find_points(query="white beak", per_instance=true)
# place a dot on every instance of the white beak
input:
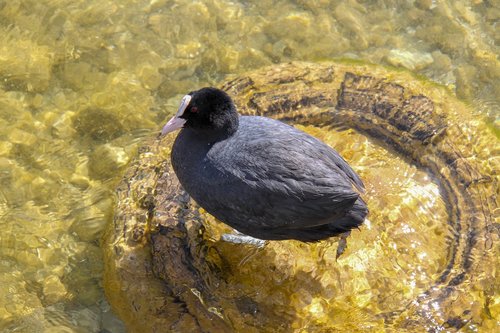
(177, 122)
(173, 124)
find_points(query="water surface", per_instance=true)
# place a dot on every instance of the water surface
(81, 82)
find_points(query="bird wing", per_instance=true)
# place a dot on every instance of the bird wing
(278, 176)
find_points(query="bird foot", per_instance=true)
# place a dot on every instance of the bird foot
(243, 239)
(342, 243)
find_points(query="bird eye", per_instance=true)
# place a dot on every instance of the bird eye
(194, 109)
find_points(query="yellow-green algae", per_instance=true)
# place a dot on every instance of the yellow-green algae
(82, 81)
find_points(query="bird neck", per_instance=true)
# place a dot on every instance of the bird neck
(219, 130)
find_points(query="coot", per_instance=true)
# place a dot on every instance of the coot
(262, 177)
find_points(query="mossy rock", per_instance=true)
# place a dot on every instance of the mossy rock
(425, 260)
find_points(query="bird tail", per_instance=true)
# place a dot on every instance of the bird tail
(352, 219)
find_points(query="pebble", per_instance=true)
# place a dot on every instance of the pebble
(409, 60)
(53, 289)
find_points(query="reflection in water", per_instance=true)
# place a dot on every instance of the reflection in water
(82, 81)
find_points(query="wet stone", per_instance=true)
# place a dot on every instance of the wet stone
(106, 160)
(99, 124)
(22, 137)
(5, 148)
(63, 126)
(53, 290)
(410, 60)
(465, 74)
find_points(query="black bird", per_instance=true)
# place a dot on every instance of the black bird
(262, 177)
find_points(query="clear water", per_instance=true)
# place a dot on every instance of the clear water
(81, 82)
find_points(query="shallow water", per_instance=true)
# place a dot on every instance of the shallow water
(81, 82)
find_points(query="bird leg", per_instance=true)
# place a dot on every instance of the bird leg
(342, 243)
(239, 238)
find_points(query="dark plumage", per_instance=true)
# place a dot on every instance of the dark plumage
(260, 176)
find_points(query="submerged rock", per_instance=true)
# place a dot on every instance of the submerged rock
(106, 160)
(167, 268)
(409, 60)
